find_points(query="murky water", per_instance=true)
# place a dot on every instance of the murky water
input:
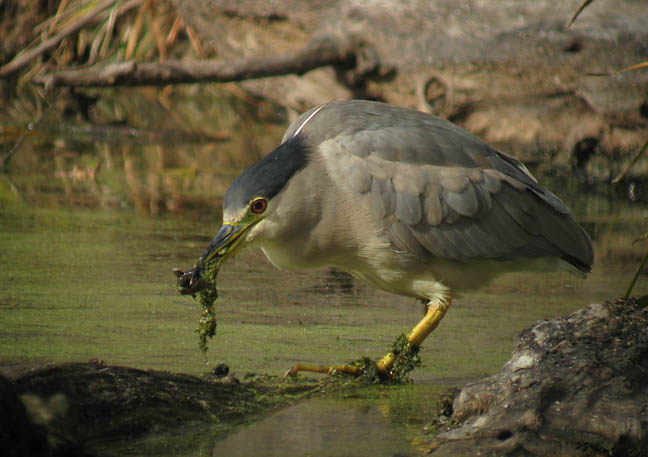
(89, 232)
(382, 421)
(320, 428)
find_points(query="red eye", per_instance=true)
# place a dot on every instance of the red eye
(258, 206)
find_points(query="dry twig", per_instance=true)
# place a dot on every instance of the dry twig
(634, 160)
(24, 58)
(97, 14)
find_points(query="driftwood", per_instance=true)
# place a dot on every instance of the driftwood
(317, 54)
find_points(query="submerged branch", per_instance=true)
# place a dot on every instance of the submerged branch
(316, 54)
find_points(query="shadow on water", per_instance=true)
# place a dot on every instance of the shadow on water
(89, 232)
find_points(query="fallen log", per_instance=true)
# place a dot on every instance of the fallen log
(317, 53)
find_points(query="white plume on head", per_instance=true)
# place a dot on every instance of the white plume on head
(299, 129)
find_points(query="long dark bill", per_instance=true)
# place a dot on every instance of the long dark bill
(218, 248)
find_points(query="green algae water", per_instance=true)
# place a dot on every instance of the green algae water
(82, 281)
(90, 232)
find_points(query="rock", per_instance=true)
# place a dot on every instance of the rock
(19, 436)
(75, 406)
(575, 386)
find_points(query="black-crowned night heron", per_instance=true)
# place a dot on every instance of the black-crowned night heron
(403, 200)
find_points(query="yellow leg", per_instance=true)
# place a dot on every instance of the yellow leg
(435, 312)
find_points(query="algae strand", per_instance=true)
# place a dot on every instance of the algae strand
(207, 297)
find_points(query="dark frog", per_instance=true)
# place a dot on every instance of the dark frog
(184, 284)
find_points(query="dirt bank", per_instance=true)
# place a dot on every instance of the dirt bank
(511, 72)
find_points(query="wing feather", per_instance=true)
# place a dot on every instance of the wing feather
(436, 190)
(404, 239)
(432, 206)
(465, 202)
(472, 214)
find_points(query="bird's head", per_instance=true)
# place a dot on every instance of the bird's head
(250, 201)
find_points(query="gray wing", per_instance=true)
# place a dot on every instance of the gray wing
(439, 191)
(402, 135)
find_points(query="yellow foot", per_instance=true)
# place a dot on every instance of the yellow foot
(399, 363)
(403, 357)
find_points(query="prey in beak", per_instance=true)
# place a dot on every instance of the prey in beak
(220, 248)
(201, 279)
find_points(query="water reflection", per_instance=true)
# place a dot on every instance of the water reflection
(334, 282)
(114, 167)
(319, 428)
